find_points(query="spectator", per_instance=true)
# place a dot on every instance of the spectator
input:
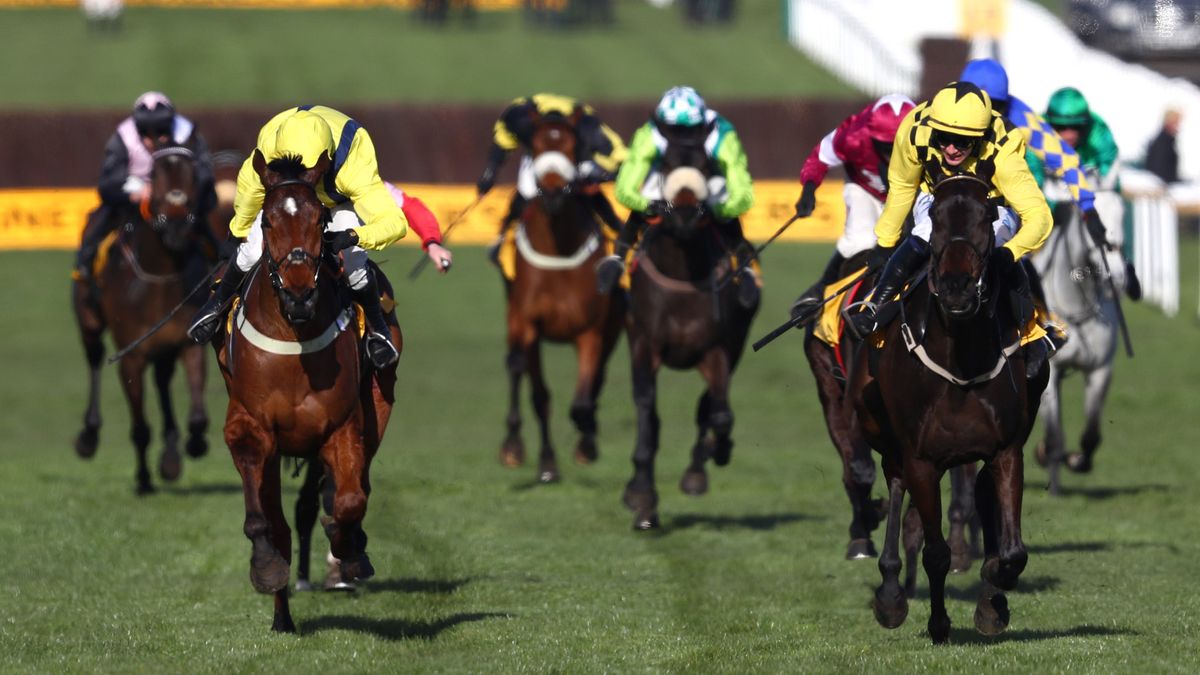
(1162, 158)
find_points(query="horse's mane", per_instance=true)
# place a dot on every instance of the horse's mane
(290, 166)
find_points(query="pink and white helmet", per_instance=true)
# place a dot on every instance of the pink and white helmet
(886, 115)
(153, 114)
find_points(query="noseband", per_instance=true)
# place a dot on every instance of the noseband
(160, 221)
(981, 255)
(297, 256)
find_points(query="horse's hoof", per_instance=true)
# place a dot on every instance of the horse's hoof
(694, 482)
(1040, 454)
(359, 569)
(960, 555)
(304, 585)
(939, 629)
(548, 474)
(197, 447)
(586, 451)
(334, 582)
(639, 500)
(86, 443)
(861, 549)
(283, 623)
(646, 520)
(170, 464)
(144, 490)
(722, 452)
(991, 612)
(890, 612)
(269, 572)
(1079, 462)
(512, 453)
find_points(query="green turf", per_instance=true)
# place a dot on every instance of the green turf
(482, 570)
(214, 58)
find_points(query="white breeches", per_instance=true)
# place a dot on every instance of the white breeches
(862, 212)
(652, 188)
(1005, 226)
(354, 259)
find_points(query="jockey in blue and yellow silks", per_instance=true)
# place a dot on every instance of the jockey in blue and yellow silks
(364, 213)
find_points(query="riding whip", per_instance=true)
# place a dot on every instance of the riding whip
(807, 315)
(420, 266)
(163, 321)
(756, 252)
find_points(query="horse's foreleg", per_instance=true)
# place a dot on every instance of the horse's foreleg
(253, 450)
(93, 348)
(540, 395)
(717, 373)
(695, 478)
(349, 467)
(923, 481)
(1095, 391)
(170, 464)
(132, 367)
(590, 353)
(512, 452)
(998, 500)
(281, 538)
(193, 364)
(1051, 452)
(640, 495)
(308, 505)
(962, 510)
(912, 536)
(891, 605)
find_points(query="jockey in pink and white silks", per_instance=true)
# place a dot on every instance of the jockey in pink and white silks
(862, 146)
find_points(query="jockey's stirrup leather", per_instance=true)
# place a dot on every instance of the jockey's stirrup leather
(380, 349)
(208, 319)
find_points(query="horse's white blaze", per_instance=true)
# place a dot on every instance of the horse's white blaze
(289, 205)
(553, 162)
(685, 178)
(176, 197)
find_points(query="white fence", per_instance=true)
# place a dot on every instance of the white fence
(1156, 251)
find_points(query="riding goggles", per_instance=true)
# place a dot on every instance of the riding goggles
(942, 140)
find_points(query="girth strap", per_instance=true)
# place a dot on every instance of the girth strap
(915, 348)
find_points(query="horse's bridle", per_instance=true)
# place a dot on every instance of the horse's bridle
(159, 221)
(980, 285)
(296, 256)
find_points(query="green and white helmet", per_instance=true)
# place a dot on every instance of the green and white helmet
(681, 106)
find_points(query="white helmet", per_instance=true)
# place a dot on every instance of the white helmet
(681, 106)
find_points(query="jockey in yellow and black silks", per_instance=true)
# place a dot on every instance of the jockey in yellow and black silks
(957, 132)
(599, 153)
(364, 213)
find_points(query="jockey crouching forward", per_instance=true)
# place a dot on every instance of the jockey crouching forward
(682, 120)
(957, 132)
(599, 152)
(862, 144)
(364, 214)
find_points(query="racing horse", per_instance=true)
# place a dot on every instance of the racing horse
(946, 388)
(299, 384)
(149, 267)
(1076, 290)
(553, 297)
(683, 315)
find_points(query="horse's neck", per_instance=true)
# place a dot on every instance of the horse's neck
(149, 251)
(1072, 273)
(693, 259)
(561, 233)
(966, 346)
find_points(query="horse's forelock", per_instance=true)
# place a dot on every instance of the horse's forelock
(289, 167)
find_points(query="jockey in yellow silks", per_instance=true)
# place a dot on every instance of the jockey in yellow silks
(957, 132)
(364, 213)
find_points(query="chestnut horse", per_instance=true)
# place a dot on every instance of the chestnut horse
(299, 384)
(553, 297)
(979, 407)
(683, 315)
(154, 260)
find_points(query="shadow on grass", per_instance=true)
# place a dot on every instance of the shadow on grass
(1110, 492)
(1069, 547)
(201, 489)
(395, 629)
(413, 585)
(971, 636)
(761, 523)
(971, 593)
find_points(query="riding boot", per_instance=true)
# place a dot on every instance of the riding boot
(100, 223)
(380, 348)
(603, 208)
(515, 209)
(746, 280)
(1133, 285)
(610, 268)
(208, 319)
(909, 256)
(1021, 304)
(1054, 329)
(811, 298)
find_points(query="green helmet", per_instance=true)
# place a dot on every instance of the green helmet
(681, 106)
(1068, 108)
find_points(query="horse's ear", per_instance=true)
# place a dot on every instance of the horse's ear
(313, 176)
(260, 165)
(576, 116)
(535, 116)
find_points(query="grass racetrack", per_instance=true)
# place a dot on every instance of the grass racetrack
(480, 569)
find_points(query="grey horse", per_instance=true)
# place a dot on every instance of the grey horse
(1079, 291)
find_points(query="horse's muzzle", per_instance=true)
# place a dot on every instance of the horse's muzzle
(959, 297)
(299, 307)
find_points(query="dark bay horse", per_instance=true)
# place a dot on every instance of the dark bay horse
(553, 298)
(298, 383)
(153, 263)
(829, 365)
(979, 408)
(684, 316)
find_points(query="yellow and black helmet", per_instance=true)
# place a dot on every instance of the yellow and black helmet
(962, 109)
(305, 134)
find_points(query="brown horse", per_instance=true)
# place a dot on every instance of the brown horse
(829, 365)
(683, 315)
(298, 383)
(553, 297)
(979, 407)
(150, 266)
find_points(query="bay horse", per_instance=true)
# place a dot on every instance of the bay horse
(979, 407)
(1076, 290)
(683, 315)
(829, 365)
(553, 298)
(299, 384)
(153, 262)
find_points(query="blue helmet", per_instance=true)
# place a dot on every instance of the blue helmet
(988, 75)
